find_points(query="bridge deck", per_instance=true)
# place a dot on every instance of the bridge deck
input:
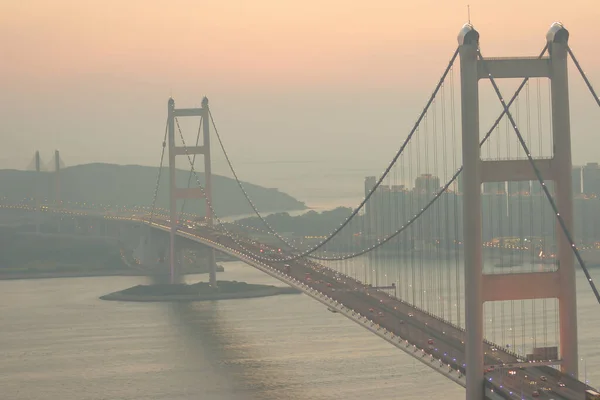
(402, 324)
(397, 322)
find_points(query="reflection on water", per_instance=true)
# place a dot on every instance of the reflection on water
(59, 341)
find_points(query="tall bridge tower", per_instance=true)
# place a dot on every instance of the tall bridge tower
(479, 287)
(176, 193)
(57, 200)
(38, 191)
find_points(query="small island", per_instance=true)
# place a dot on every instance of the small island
(201, 291)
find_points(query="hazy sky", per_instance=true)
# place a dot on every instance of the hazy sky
(92, 78)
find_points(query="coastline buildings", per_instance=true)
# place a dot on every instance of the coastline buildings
(517, 211)
(590, 179)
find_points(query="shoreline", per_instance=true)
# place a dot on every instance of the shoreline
(78, 274)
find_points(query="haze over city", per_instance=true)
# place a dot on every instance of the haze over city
(92, 78)
(241, 269)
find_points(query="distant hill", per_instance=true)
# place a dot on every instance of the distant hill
(133, 185)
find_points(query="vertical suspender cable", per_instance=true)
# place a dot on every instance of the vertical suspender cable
(545, 189)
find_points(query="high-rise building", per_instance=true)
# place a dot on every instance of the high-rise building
(518, 187)
(591, 179)
(370, 182)
(494, 187)
(536, 188)
(427, 184)
(370, 208)
(398, 188)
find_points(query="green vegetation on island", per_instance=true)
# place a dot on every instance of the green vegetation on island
(311, 223)
(133, 185)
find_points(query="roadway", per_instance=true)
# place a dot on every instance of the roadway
(419, 327)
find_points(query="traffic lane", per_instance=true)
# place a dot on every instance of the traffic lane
(519, 385)
(388, 310)
(331, 276)
(392, 320)
(416, 334)
(353, 296)
(332, 283)
(573, 389)
(348, 283)
(569, 381)
(549, 387)
(535, 375)
(324, 279)
(491, 357)
(422, 317)
(439, 324)
(320, 282)
(442, 326)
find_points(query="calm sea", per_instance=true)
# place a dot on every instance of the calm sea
(58, 341)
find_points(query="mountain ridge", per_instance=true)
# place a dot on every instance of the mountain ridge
(133, 185)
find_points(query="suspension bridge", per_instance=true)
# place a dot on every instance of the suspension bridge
(463, 252)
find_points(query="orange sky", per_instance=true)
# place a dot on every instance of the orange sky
(100, 72)
(271, 41)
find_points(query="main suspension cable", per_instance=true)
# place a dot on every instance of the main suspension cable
(541, 181)
(426, 207)
(367, 197)
(409, 223)
(584, 76)
(162, 157)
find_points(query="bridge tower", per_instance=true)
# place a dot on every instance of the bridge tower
(38, 184)
(479, 287)
(57, 200)
(189, 193)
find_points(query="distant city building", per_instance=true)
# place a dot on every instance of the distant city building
(576, 178)
(520, 187)
(523, 214)
(591, 179)
(370, 182)
(427, 183)
(536, 188)
(494, 187)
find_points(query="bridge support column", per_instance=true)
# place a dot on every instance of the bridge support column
(38, 184)
(561, 127)
(57, 201)
(181, 265)
(212, 267)
(181, 193)
(560, 284)
(172, 189)
(146, 251)
(472, 213)
(212, 264)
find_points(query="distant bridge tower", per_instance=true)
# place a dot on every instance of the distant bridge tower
(480, 288)
(57, 200)
(37, 191)
(189, 193)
